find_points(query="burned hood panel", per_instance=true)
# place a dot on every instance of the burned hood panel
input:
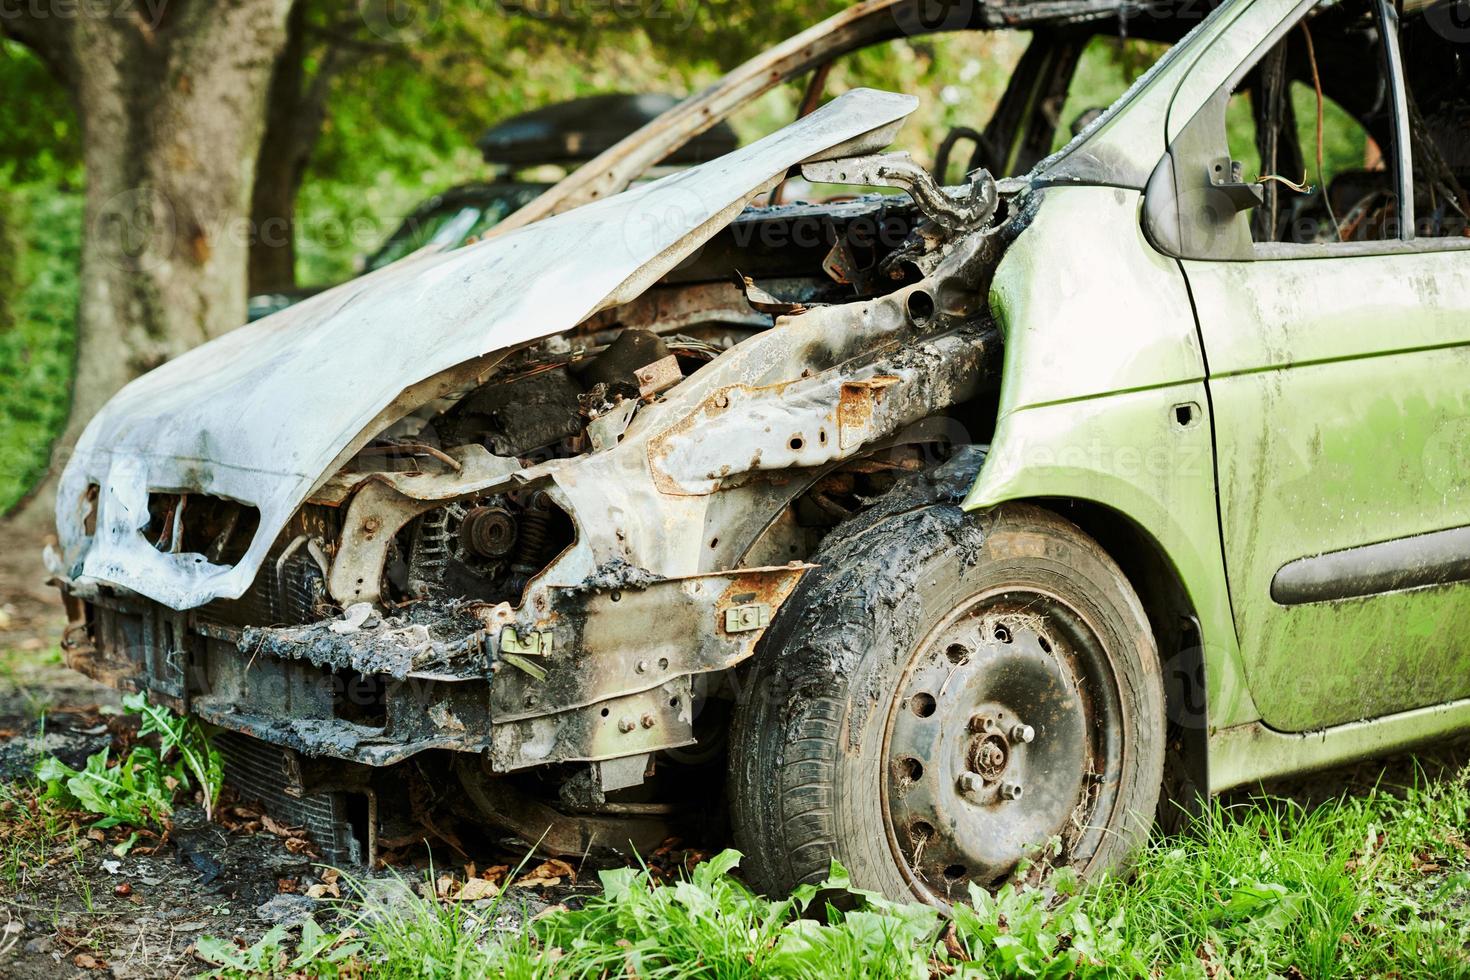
(261, 414)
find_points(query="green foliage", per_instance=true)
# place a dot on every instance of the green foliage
(317, 954)
(1372, 886)
(40, 248)
(139, 790)
(42, 141)
(136, 791)
(185, 738)
(1362, 886)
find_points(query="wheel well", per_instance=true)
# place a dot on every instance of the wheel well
(1181, 654)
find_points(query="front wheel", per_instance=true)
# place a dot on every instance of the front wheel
(947, 695)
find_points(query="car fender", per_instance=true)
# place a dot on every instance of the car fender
(1103, 400)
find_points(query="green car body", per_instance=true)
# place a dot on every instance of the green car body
(1242, 415)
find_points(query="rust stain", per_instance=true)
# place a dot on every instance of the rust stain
(857, 400)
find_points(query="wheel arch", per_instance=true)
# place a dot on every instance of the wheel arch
(1177, 631)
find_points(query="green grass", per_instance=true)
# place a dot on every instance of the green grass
(39, 250)
(1377, 885)
(33, 831)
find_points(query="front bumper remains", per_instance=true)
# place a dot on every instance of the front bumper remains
(599, 671)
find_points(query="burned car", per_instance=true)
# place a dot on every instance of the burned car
(943, 528)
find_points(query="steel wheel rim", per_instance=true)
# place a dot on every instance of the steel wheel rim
(1005, 731)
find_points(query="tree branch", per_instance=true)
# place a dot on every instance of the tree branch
(45, 33)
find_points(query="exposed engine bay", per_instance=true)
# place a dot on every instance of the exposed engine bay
(552, 566)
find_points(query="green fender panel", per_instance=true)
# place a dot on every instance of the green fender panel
(1103, 400)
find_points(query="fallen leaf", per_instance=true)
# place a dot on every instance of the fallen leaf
(952, 944)
(324, 890)
(475, 889)
(279, 829)
(496, 874)
(86, 961)
(287, 886)
(546, 874)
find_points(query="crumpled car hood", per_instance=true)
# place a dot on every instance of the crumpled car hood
(261, 414)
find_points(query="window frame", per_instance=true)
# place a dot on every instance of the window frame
(1183, 153)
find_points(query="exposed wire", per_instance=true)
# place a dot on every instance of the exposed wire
(1317, 85)
(1301, 188)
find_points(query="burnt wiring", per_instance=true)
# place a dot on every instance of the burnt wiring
(1317, 87)
(1301, 187)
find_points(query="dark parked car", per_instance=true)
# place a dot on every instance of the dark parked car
(566, 134)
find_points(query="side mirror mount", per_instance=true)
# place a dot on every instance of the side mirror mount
(1226, 177)
(1194, 198)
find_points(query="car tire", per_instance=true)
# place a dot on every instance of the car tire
(944, 697)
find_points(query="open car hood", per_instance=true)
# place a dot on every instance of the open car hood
(265, 413)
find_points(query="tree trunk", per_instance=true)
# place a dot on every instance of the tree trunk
(171, 121)
(171, 101)
(279, 168)
(296, 110)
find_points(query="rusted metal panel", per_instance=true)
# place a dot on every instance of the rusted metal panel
(649, 721)
(616, 641)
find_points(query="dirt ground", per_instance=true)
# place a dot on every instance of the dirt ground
(78, 910)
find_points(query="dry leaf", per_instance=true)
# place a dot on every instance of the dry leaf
(475, 889)
(496, 874)
(953, 946)
(86, 961)
(546, 874)
(279, 829)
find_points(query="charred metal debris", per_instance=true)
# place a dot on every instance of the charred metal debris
(542, 578)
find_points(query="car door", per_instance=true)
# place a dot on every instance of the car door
(1339, 380)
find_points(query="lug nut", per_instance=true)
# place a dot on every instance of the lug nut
(970, 782)
(626, 725)
(1022, 733)
(643, 666)
(648, 721)
(1010, 791)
